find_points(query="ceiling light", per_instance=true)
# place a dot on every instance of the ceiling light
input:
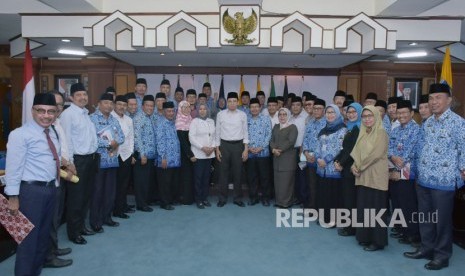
(412, 54)
(179, 64)
(413, 44)
(71, 52)
(162, 54)
(66, 40)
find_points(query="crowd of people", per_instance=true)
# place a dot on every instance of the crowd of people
(298, 151)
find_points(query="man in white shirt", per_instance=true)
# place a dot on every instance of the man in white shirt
(298, 118)
(272, 111)
(52, 259)
(81, 137)
(233, 138)
(125, 158)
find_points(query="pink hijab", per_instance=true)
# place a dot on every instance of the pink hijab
(183, 121)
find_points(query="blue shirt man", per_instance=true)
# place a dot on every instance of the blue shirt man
(144, 136)
(32, 164)
(259, 135)
(311, 132)
(441, 170)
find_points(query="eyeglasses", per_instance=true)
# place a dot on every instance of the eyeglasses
(318, 108)
(369, 116)
(352, 112)
(330, 112)
(42, 111)
(282, 114)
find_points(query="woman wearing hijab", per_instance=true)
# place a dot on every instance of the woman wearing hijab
(201, 137)
(282, 143)
(343, 162)
(328, 146)
(183, 120)
(371, 177)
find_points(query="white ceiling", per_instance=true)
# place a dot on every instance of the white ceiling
(10, 26)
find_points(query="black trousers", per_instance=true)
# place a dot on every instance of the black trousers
(186, 185)
(168, 181)
(436, 236)
(78, 195)
(37, 203)
(311, 179)
(123, 177)
(103, 198)
(368, 198)
(231, 161)
(348, 193)
(57, 216)
(404, 197)
(202, 168)
(258, 177)
(329, 196)
(143, 182)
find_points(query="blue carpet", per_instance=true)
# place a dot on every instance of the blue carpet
(230, 241)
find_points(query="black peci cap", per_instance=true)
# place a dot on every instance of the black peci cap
(141, 81)
(168, 105)
(77, 87)
(44, 99)
(439, 88)
(148, 98)
(121, 98)
(381, 103)
(232, 95)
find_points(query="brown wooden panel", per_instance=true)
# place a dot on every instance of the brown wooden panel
(121, 84)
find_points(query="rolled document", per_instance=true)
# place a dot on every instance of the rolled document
(64, 174)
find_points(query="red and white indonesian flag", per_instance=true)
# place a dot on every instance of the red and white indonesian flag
(29, 90)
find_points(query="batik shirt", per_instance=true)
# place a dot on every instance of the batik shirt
(108, 129)
(144, 136)
(168, 146)
(402, 143)
(442, 152)
(311, 135)
(327, 148)
(259, 135)
(387, 125)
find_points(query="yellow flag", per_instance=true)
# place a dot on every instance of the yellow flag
(241, 89)
(446, 71)
(259, 86)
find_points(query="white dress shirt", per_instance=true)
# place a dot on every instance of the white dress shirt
(202, 134)
(231, 126)
(126, 149)
(62, 139)
(299, 122)
(80, 132)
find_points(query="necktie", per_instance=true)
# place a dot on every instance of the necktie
(54, 152)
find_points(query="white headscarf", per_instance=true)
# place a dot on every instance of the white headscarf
(286, 124)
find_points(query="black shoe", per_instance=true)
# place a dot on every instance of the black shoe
(266, 203)
(345, 232)
(396, 235)
(221, 203)
(98, 229)
(239, 203)
(437, 264)
(373, 247)
(206, 203)
(200, 205)
(131, 206)
(418, 255)
(129, 210)
(167, 207)
(87, 232)
(253, 202)
(145, 209)
(57, 263)
(79, 240)
(111, 223)
(121, 215)
(364, 244)
(62, 251)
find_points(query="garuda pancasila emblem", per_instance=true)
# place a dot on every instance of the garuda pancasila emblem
(240, 27)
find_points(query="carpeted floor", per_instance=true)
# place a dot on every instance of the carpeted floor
(230, 241)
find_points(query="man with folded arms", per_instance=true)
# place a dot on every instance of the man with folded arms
(32, 171)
